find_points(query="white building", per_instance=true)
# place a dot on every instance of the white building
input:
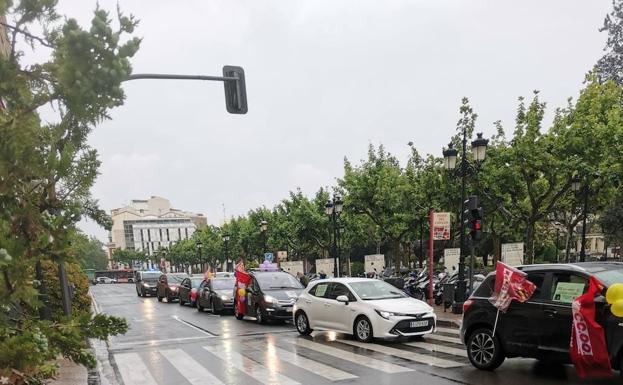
(151, 224)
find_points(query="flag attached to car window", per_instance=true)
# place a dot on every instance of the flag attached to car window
(587, 348)
(510, 284)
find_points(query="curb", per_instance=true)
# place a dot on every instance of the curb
(449, 323)
(104, 373)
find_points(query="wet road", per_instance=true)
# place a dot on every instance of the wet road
(171, 344)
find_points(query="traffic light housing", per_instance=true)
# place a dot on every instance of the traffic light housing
(235, 90)
(475, 217)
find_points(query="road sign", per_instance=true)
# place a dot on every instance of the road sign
(512, 253)
(268, 257)
(441, 226)
(451, 259)
(326, 266)
(282, 256)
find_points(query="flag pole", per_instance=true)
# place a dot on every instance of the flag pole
(495, 325)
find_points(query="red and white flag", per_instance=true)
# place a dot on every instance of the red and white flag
(588, 349)
(510, 284)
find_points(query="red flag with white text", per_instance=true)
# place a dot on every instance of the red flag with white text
(587, 348)
(510, 284)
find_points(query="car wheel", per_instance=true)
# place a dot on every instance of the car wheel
(363, 330)
(484, 350)
(302, 324)
(213, 308)
(181, 302)
(259, 316)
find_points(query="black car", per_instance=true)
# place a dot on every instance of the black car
(146, 282)
(216, 294)
(540, 327)
(271, 295)
(187, 292)
(168, 286)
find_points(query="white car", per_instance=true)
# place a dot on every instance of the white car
(365, 308)
(106, 280)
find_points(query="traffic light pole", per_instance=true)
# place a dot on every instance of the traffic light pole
(457, 306)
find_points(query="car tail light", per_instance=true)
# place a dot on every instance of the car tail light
(466, 305)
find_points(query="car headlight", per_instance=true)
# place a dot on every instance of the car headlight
(145, 285)
(386, 314)
(224, 298)
(173, 288)
(270, 299)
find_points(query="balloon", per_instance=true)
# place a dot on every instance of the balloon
(242, 299)
(617, 308)
(241, 292)
(614, 293)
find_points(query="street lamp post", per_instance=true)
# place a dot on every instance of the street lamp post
(199, 245)
(225, 239)
(576, 183)
(479, 148)
(333, 209)
(263, 230)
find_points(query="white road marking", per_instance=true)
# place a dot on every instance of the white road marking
(448, 330)
(258, 372)
(132, 369)
(438, 348)
(156, 342)
(318, 368)
(189, 368)
(352, 357)
(437, 337)
(178, 319)
(407, 355)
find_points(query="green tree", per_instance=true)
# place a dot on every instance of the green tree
(47, 170)
(89, 251)
(610, 66)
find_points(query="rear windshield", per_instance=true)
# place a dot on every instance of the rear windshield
(176, 278)
(150, 276)
(610, 276)
(270, 281)
(485, 289)
(223, 284)
(195, 282)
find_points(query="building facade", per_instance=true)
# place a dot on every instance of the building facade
(150, 224)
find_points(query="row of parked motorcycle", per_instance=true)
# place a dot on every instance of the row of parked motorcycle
(416, 284)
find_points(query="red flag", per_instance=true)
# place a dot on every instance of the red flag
(510, 284)
(588, 349)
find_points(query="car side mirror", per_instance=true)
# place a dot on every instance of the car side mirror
(343, 299)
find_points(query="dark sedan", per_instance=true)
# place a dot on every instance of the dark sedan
(216, 294)
(187, 291)
(168, 285)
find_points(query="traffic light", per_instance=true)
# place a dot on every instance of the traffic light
(475, 217)
(235, 90)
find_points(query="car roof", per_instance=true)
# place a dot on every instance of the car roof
(346, 280)
(582, 267)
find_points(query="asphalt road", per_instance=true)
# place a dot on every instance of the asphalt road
(168, 344)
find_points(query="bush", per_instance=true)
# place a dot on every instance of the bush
(77, 281)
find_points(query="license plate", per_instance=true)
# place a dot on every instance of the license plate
(418, 324)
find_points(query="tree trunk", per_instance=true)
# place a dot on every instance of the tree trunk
(530, 243)
(397, 258)
(497, 251)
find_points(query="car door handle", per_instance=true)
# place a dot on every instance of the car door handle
(327, 304)
(550, 312)
(308, 301)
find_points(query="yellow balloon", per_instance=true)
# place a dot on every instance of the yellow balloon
(614, 293)
(241, 292)
(617, 308)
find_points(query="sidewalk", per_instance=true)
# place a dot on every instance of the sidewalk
(448, 318)
(70, 373)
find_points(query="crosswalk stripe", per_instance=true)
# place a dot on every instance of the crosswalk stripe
(352, 357)
(438, 337)
(448, 330)
(318, 368)
(438, 348)
(132, 369)
(250, 367)
(189, 368)
(407, 355)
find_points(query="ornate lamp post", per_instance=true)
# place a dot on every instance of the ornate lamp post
(264, 231)
(576, 185)
(333, 209)
(225, 239)
(479, 150)
(199, 245)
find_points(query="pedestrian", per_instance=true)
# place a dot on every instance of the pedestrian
(302, 278)
(323, 275)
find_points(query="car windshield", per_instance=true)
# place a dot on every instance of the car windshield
(195, 282)
(277, 281)
(223, 284)
(609, 276)
(150, 276)
(374, 289)
(176, 278)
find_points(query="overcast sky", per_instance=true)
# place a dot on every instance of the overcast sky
(324, 79)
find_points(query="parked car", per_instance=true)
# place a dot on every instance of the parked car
(271, 296)
(168, 285)
(146, 282)
(540, 327)
(187, 292)
(366, 308)
(106, 280)
(223, 274)
(216, 294)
